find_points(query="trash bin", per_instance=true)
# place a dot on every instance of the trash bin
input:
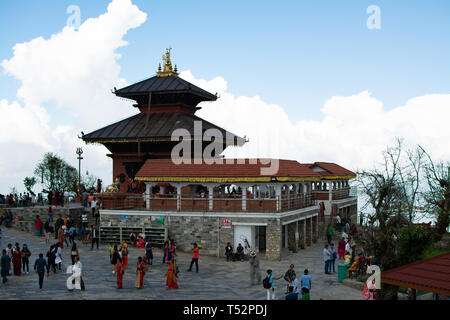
(342, 271)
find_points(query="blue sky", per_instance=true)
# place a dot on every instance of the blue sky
(296, 54)
(321, 75)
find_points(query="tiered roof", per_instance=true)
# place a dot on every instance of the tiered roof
(159, 129)
(167, 103)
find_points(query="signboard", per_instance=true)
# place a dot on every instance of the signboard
(123, 217)
(226, 223)
(158, 220)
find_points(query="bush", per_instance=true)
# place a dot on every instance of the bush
(414, 240)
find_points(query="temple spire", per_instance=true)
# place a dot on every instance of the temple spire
(167, 69)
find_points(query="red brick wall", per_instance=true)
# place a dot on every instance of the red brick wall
(119, 168)
(262, 205)
(163, 204)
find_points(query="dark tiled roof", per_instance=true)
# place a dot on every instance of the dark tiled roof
(332, 168)
(160, 125)
(432, 275)
(251, 168)
(170, 84)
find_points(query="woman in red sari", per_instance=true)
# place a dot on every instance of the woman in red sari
(140, 273)
(17, 260)
(120, 271)
(171, 275)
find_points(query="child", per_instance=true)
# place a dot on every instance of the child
(195, 256)
(347, 257)
(305, 294)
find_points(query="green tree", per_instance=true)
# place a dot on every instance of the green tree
(89, 182)
(29, 183)
(57, 174)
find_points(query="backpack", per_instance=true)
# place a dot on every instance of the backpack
(266, 282)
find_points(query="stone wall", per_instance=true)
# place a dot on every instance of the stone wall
(201, 230)
(130, 220)
(209, 233)
(273, 240)
(308, 231)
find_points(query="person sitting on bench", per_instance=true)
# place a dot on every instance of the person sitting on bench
(229, 252)
(240, 252)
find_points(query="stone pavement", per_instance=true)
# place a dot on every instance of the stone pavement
(217, 279)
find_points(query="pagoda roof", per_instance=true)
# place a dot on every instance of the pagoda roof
(159, 128)
(230, 170)
(169, 85)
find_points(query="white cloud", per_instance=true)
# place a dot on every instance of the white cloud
(76, 71)
(353, 132)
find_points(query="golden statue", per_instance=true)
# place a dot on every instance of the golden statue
(114, 188)
(167, 69)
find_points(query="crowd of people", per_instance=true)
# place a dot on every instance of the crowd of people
(68, 232)
(346, 250)
(27, 199)
(19, 200)
(58, 198)
(119, 261)
(296, 289)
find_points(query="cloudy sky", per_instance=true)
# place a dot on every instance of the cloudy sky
(302, 80)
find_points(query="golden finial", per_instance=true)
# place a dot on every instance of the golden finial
(167, 69)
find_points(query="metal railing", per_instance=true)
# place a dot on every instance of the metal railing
(296, 201)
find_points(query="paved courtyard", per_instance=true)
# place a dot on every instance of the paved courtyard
(217, 279)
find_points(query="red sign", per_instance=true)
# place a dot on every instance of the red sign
(226, 223)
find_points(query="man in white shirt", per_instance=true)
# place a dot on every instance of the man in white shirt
(76, 276)
(294, 284)
(93, 205)
(347, 247)
(345, 236)
(66, 198)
